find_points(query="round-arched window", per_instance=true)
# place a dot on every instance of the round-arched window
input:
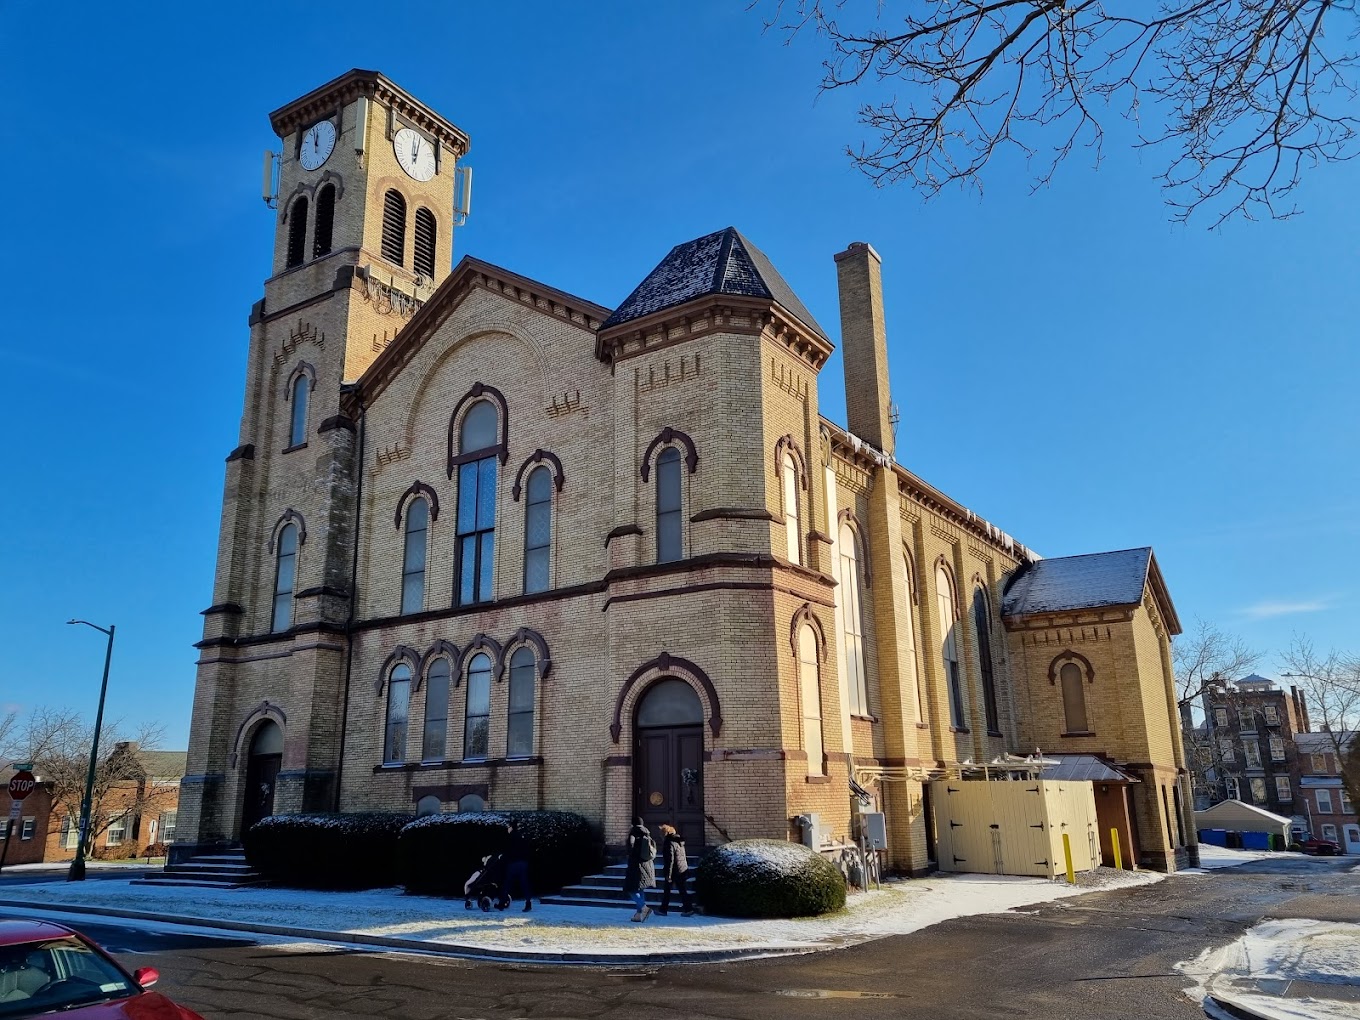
(670, 702)
(268, 739)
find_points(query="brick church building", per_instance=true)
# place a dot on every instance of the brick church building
(485, 543)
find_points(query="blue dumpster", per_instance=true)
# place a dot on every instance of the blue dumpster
(1255, 841)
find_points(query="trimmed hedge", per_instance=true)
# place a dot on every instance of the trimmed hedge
(327, 851)
(768, 878)
(437, 853)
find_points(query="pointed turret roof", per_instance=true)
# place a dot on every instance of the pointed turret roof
(723, 262)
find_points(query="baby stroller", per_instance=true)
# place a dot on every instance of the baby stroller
(487, 885)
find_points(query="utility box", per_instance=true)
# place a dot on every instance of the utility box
(1014, 827)
(811, 825)
(875, 830)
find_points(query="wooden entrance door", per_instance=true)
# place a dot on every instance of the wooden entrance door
(261, 777)
(668, 780)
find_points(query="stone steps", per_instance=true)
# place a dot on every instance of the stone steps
(225, 870)
(606, 889)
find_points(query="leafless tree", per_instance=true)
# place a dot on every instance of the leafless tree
(57, 742)
(8, 727)
(1333, 685)
(1204, 658)
(1244, 95)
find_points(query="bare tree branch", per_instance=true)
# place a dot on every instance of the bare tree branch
(1204, 658)
(1332, 682)
(1244, 95)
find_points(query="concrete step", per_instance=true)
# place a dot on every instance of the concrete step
(200, 883)
(196, 865)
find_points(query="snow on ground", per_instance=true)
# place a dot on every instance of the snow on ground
(1213, 857)
(898, 908)
(1257, 970)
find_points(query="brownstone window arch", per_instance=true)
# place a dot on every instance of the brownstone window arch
(1072, 671)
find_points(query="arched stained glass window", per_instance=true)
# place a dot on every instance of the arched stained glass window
(285, 574)
(810, 683)
(856, 680)
(413, 556)
(297, 428)
(982, 630)
(398, 714)
(477, 725)
(436, 710)
(538, 530)
(477, 504)
(668, 499)
(949, 649)
(520, 735)
(793, 529)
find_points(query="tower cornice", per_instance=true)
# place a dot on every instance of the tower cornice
(350, 86)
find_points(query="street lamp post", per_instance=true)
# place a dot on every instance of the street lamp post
(77, 872)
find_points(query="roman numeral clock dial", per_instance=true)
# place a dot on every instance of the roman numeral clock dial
(318, 141)
(414, 153)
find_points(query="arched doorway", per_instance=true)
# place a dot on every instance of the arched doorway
(262, 773)
(668, 759)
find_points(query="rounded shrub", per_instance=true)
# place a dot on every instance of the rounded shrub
(768, 878)
(326, 851)
(437, 853)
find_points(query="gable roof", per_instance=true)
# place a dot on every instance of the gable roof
(1091, 581)
(164, 764)
(723, 262)
(1322, 742)
(1236, 808)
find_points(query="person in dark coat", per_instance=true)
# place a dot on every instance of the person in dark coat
(641, 873)
(677, 871)
(517, 867)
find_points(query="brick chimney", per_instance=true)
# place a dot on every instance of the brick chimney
(864, 345)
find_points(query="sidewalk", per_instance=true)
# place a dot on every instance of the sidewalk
(388, 917)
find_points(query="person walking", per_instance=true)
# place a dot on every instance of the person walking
(677, 871)
(517, 867)
(641, 873)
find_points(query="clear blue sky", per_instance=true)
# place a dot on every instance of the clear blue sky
(1068, 364)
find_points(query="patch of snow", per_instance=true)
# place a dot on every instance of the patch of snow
(899, 908)
(1211, 858)
(1277, 953)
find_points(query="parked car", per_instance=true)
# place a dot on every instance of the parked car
(48, 969)
(1317, 847)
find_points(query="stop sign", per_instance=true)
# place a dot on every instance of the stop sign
(21, 785)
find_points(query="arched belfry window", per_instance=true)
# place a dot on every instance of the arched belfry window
(793, 529)
(949, 648)
(325, 221)
(520, 725)
(297, 232)
(810, 685)
(398, 714)
(413, 556)
(426, 234)
(436, 710)
(297, 428)
(1074, 698)
(856, 680)
(477, 719)
(669, 544)
(982, 629)
(394, 228)
(537, 530)
(285, 574)
(477, 503)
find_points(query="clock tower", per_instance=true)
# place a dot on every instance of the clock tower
(365, 214)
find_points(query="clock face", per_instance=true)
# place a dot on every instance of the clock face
(318, 141)
(414, 153)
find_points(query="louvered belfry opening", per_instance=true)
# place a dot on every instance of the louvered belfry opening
(425, 241)
(394, 228)
(297, 233)
(325, 221)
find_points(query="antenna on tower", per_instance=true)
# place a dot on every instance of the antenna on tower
(462, 204)
(269, 188)
(894, 416)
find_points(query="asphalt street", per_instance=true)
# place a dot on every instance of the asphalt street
(1102, 955)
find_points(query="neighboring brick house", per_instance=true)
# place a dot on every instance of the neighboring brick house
(138, 812)
(484, 542)
(1329, 809)
(1246, 747)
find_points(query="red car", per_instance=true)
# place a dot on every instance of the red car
(48, 969)
(1318, 847)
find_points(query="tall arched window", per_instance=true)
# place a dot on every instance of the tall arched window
(398, 714)
(982, 628)
(856, 681)
(668, 530)
(425, 242)
(793, 530)
(285, 573)
(297, 431)
(436, 710)
(477, 504)
(909, 623)
(810, 684)
(413, 556)
(1074, 698)
(949, 649)
(537, 530)
(297, 233)
(394, 228)
(477, 725)
(520, 736)
(325, 221)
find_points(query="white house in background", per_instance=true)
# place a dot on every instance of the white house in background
(1237, 816)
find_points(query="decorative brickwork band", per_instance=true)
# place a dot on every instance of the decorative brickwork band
(667, 664)
(802, 615)
(1087, 670)
(264, 710)
(667, 436)
(289, 515)
(539, 457)
(402, 653)
(478, 391)
(787, 444)
(418, 488)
